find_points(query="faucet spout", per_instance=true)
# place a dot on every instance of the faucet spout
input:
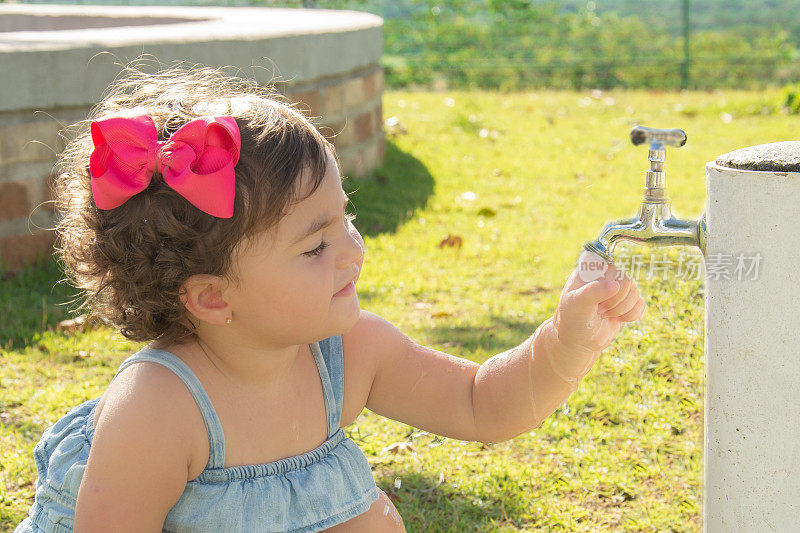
(653, 226)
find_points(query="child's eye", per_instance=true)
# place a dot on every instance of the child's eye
(316, 251)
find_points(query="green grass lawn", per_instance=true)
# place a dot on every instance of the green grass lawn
(544, 172)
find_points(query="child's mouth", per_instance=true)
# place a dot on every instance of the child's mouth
(347, 290)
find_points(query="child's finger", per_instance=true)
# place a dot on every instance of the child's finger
(619, 297)
(625, 305)
(593, 293)
(634, 314)
(612, 272)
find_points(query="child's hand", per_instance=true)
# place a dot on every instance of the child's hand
(590, 313)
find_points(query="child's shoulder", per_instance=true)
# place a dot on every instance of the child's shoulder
(370, 334)
(150, 400)
(148, 383)
(367, 346)
(141, 450)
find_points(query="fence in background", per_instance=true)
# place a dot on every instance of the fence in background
(517, 44)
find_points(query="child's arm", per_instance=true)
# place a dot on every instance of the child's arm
(509, 394)
(517, 390)
(138, 463)
(452, 396)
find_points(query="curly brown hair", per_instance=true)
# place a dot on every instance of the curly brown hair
(131, 261)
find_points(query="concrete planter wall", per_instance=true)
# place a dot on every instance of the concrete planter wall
(54, 69)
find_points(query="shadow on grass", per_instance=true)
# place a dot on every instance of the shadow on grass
(31, 301)
(388, 197)
(497, 335)
(428, 505)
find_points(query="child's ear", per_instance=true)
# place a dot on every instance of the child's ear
(202, 295)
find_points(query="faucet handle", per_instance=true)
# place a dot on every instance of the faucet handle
(657, 138)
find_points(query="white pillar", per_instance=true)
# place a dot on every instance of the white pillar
(752, 343)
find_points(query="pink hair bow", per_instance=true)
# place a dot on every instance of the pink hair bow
(197, 161)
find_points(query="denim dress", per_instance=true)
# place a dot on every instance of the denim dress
(310, 492)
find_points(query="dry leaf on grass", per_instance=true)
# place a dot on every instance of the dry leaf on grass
(79, 323)
(392, 496)
(399, 447)
(394, 127)
(452, 241)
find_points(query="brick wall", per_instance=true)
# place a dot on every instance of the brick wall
(351, 117)
(29, 143)
(347, 107)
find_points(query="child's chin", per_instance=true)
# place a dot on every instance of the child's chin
(349, 318)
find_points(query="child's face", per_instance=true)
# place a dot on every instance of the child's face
(297, 286)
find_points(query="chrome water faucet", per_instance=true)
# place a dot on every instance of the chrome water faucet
(654, 225)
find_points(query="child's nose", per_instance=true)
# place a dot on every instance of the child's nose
(353, 251)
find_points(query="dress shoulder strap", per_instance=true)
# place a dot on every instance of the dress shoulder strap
(216, 438)
(332, 358)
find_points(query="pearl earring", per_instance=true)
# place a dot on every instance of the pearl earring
(228, 321)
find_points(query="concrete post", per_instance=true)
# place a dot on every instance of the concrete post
(752, 343)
